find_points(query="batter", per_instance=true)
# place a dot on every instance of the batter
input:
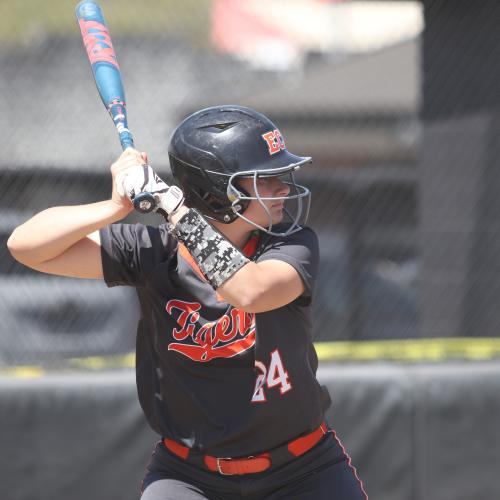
(226, 369)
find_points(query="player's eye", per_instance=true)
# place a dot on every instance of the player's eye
(264, 181)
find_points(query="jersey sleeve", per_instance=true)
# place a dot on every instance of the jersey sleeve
(300, 250)
(130, 252)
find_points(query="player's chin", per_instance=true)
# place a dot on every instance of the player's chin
(277, 216)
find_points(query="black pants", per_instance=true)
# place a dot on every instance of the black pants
(323, 473)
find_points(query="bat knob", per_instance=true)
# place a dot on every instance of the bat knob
(144, 202)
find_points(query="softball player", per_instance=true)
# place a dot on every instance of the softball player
(225, 363)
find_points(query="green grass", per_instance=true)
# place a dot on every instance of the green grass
(25, 21)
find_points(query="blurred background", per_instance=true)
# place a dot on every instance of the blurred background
(398, 104)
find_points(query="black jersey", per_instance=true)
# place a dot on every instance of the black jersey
(210, 376)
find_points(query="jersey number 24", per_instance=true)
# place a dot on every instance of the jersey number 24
(274, 376)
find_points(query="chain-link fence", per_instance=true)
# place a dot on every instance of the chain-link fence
(345, 83)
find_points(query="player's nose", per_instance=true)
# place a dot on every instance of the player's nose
(281, 187)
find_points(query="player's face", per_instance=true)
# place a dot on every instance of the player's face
(267, 187)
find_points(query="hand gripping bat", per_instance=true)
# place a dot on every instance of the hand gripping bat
(107, 76)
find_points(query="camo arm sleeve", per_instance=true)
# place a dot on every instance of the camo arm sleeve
(217, 257)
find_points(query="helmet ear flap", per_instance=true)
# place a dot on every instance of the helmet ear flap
(209, 191)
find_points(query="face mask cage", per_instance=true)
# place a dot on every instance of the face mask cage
(296, 202)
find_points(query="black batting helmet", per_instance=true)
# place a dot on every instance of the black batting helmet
(214, 147)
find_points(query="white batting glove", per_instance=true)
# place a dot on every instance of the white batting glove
(141, 178)
(148, 191)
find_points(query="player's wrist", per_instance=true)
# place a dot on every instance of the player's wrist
(119, 209)
(177, 215)
(170, 201)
